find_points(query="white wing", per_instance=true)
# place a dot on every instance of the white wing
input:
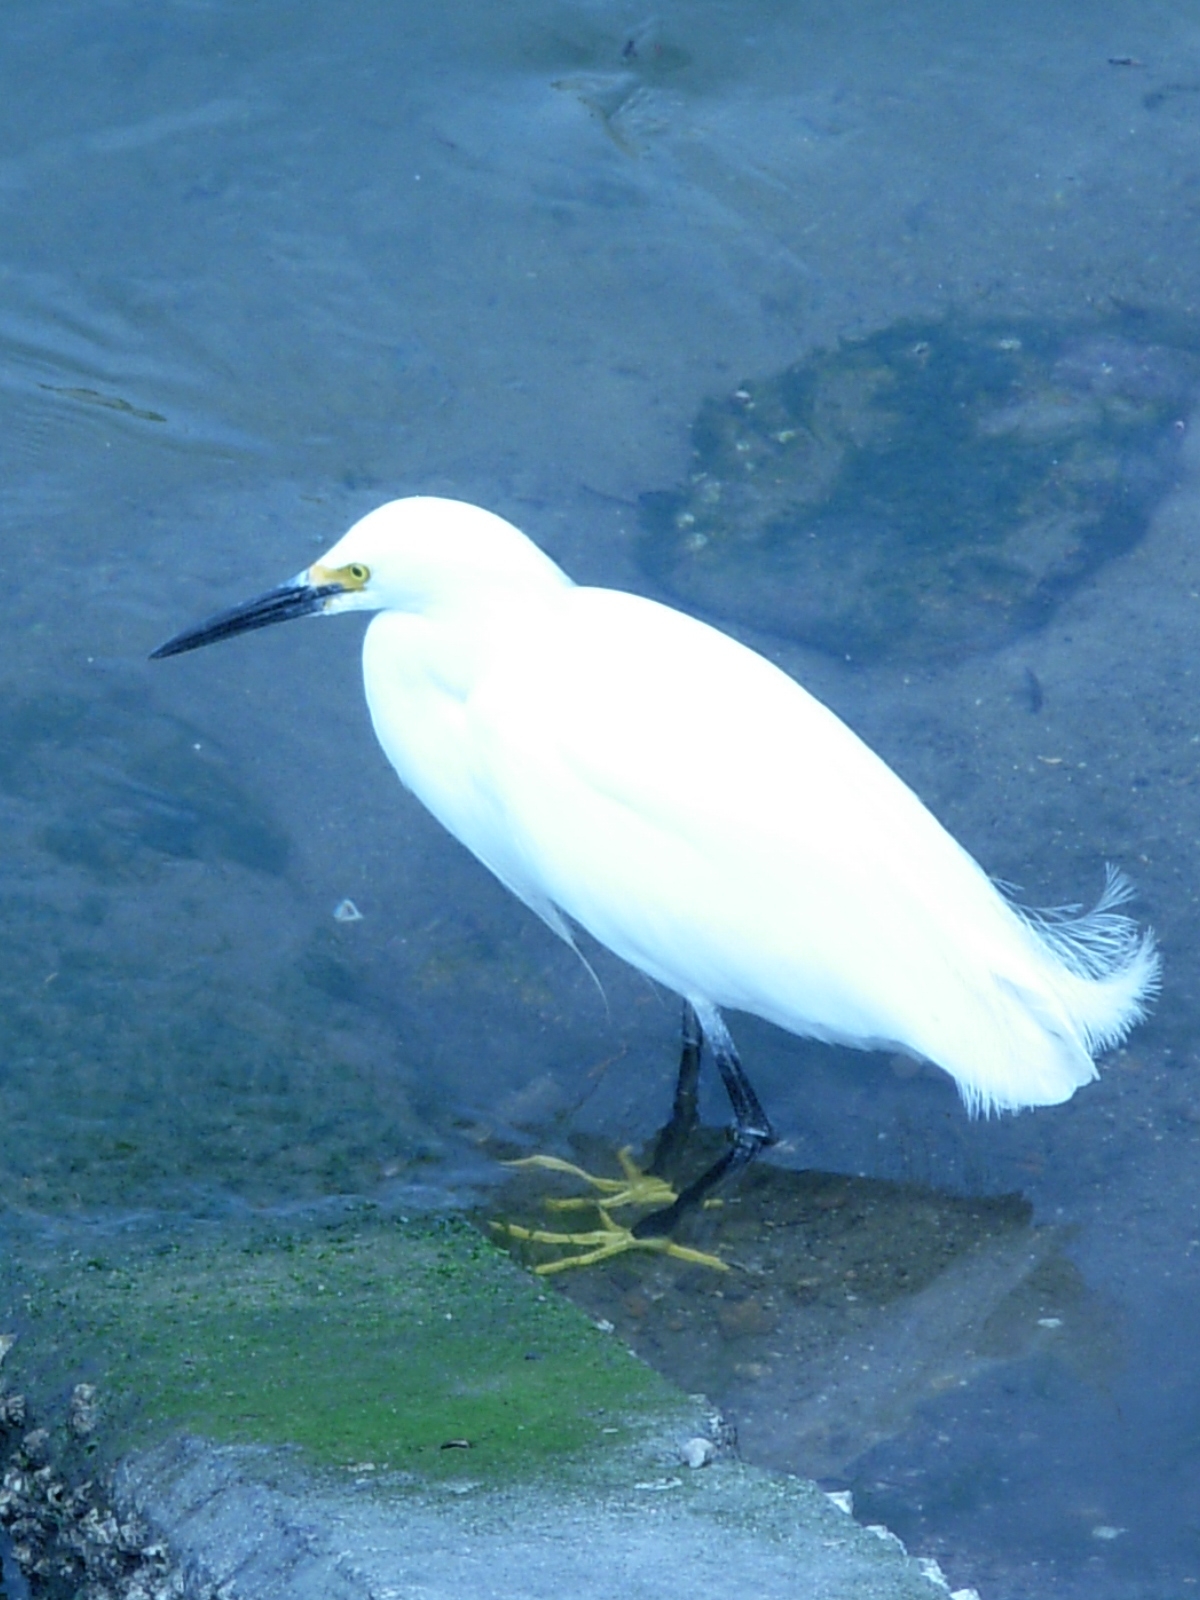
(708, 820)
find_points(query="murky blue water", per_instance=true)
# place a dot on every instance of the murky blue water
(262, 268)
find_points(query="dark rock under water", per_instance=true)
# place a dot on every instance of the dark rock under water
(931, 490)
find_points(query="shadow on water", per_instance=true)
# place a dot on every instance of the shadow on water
(848, 1304)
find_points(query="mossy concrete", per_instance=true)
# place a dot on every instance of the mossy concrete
(404, 1346)
(368, 1404)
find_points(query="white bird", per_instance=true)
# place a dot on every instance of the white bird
(624, 767)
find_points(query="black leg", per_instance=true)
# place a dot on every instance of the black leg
(751, 1131)
(673, 1137)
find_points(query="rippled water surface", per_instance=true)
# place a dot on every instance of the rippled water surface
(264, 267)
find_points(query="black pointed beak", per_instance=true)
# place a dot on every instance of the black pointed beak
(296, 599)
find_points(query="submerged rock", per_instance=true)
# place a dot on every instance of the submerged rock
(932, 490)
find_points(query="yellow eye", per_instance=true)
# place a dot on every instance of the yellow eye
(354, 575)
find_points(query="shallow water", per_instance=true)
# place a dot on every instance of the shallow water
(260, 270)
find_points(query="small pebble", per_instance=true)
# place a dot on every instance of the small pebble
(697, 1452)
(738, 1318)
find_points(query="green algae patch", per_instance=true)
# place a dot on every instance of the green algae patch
(381, 1345)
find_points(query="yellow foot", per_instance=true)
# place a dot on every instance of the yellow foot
(636, 1188)
(609, 1240)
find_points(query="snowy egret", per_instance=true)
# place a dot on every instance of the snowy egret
(623, 767)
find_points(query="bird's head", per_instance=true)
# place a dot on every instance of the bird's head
(414, 555)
